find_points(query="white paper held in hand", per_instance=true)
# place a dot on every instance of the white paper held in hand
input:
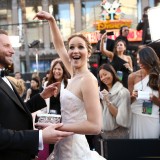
(142, 95)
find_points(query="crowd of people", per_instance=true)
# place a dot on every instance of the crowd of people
(120, 103)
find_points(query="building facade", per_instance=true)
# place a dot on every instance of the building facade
(72, 16)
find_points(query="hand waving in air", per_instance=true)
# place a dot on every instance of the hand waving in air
(42, 15)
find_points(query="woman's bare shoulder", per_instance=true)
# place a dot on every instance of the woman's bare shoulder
(134, 77)
(90, 76)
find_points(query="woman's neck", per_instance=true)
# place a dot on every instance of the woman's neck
(109, 87)
(80, 72)
(120, 54)
(144, 72)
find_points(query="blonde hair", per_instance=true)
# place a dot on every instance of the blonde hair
(19, 84)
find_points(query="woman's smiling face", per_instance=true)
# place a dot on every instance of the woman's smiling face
(58, 72)
(106, 77)
(78, 53)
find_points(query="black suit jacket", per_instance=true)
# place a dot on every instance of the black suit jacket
(18, 140)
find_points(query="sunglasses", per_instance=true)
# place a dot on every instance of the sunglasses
(126, 30)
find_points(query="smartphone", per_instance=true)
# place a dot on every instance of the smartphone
(110, 33)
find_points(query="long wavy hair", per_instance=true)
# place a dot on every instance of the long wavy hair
(65, 76)
(110, 69)
(150, 60)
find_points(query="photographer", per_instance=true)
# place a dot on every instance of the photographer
(144, 26)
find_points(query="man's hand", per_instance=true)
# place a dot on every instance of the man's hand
(51, 135)
(51, 90)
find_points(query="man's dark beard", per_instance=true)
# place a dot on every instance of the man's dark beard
(9, 67)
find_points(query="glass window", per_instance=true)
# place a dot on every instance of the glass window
(63, 13)
(90, 12)
(34, 27)
(42, 66)
(5, 15)
(129, 11)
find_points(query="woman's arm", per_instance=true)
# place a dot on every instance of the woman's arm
(93, 123)
(111, 107)
(131, 79)
(103, 49)
(129, 64)
(155, 100)
(56, 37)
(113, 110)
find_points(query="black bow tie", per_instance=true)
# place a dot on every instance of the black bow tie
(3, 73)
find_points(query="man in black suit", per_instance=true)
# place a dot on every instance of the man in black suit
(144, 26)
(18, 140)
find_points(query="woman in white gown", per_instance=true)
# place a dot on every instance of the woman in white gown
(144, 88)
(80, 105)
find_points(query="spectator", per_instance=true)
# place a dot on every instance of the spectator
(121, 63)
(58, 73)
(33, 90)
(144, 90)
(144, 26)
(109, 45)
(17, 75)
(116, 112)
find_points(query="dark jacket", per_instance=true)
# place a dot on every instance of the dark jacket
(18, 140)
(144, 26)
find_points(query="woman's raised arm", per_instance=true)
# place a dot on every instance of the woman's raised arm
(56, 37)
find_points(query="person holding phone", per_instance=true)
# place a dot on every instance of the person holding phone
(108, 44)
(121, 62)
